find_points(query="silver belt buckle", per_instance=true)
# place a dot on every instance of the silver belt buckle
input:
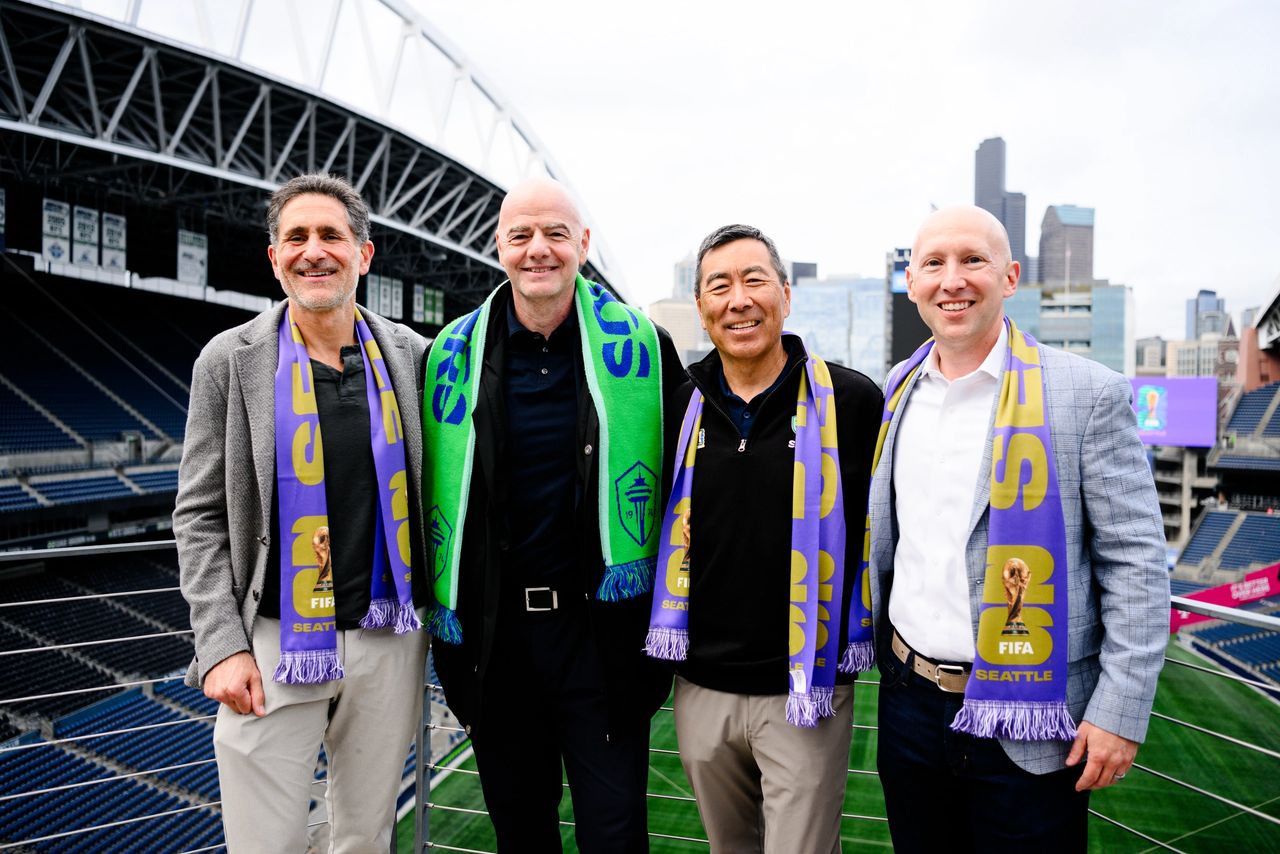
(949, 670)
(555, 599)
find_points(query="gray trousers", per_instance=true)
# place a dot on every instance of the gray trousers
(762, 784)
(365, 721)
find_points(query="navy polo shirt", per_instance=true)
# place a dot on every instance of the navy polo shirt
(739, 411)
(541, 396)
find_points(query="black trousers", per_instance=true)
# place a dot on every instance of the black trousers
(949, 791)
(549, 707)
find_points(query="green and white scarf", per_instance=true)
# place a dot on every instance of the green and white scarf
(623, 368)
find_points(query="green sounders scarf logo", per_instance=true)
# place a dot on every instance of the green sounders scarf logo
(634, 492)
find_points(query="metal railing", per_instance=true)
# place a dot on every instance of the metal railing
(442, 750)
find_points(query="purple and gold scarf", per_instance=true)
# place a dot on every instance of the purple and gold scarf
(817, 553)
(308, 626)
(1018, 687)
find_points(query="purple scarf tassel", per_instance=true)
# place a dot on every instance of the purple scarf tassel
(391, 613)
(627, 580)
(859, 657)
(308, 666)
(667, 643)
(805, 710)
(1018, 721)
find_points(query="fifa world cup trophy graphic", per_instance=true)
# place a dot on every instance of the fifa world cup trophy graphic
(320, 544)
(1016, 575)
(684, 531)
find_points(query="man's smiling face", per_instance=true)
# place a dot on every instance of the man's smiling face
(316, 257)
(541, 243)
(742, 302)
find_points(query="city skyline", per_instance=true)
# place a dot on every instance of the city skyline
(834, 127)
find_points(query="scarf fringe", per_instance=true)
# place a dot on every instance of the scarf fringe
(667, 643)
(400, 617)
(805, 710)
(627, 580)
(308, 666)
(1018, 721)
(444, 625)
(859, 657)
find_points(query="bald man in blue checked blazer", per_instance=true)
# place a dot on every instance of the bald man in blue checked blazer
(998, 791)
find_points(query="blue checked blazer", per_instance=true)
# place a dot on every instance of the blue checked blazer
(1117, 583)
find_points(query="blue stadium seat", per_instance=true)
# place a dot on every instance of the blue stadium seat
(1257, 541)
(1251, 408)
(1208, 535)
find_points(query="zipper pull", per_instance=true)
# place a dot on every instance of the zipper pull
(742, 446)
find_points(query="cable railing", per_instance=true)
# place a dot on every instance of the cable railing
(67, 763)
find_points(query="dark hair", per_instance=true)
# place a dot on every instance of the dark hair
(728, 234)
(332, 186)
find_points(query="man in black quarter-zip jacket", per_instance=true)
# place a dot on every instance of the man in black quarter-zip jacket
(762, 784)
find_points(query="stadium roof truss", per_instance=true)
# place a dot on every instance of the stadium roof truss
(104, 101)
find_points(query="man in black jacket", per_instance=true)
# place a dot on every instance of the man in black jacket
(767, 761)
(547, 670)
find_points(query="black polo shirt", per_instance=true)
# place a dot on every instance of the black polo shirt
(350, 490)
(540, 391)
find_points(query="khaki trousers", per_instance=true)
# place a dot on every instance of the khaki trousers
(365, 721)
(762, 784)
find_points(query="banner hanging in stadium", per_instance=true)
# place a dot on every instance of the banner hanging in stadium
(1254, 586)
(57, 231)
(114, 240)
(84, 237)
(193, 258)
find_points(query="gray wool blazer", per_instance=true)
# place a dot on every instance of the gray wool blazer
(222, 519)
(1117, 583)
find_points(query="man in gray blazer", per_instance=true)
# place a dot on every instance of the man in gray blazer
(1019, 592)
(292, 548)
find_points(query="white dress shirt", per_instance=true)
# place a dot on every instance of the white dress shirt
(940, 443)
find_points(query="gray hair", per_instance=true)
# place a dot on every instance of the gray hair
(319, 183)
(728, 234)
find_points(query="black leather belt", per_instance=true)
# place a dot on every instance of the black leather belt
(541, 599)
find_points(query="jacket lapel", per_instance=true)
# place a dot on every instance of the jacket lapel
(255, 368)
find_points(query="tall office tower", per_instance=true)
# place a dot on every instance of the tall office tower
(1066, 245)
(1206, 314)
(988, 176)
(1015, 222)
(685, 271)
(1150, 356)
(990, 195)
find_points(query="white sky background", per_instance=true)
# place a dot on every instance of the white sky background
(833, 126)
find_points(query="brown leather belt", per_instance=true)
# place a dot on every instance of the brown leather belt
(949, 677)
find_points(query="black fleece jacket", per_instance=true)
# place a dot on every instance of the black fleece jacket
(740, 524)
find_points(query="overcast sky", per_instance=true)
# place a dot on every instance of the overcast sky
(834, 126)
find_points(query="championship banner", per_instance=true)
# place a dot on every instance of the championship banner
(1254, 586)
(193, 258)
(57, 231)
(84, 237)
(114, 239)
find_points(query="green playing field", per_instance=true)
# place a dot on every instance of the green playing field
(1161, 809)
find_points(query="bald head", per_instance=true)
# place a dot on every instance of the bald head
(542, 244)
(539, 194)
(965, 219)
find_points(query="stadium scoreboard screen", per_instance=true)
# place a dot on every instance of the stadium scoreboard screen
(1176, 411)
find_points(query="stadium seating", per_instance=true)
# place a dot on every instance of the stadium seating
(1179, 587)
(1208, 535)
(81, 490)
(155, 481)
(1252, 406)
(1246, 462)
(23, 429)
(1256, 542)
(14, 497)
